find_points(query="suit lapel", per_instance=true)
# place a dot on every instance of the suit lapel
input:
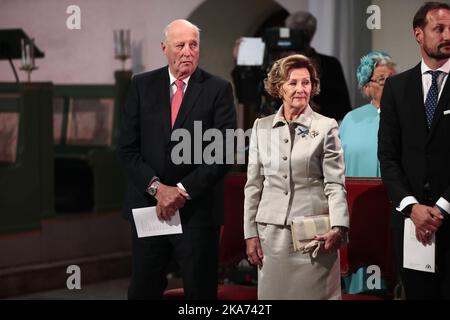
(163, 101)
(193, 90)
(414, 94)
(443, 102)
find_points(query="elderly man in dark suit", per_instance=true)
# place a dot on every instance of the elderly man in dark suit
(180, 96)
(414, 150)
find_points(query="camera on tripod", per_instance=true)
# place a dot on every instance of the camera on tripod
(281, 42)
(249, 80)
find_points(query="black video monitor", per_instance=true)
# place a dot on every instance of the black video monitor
(284, 39)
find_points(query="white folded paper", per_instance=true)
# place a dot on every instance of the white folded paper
(148, 224)
(416, 256)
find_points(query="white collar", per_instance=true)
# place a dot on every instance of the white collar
(172, 78)
(304, 118)
(445, 67)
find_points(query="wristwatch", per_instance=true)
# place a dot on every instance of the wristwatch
(153, 189)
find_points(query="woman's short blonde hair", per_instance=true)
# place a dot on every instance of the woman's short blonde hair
(279, 74)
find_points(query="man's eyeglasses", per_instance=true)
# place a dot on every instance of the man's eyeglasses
(380, 80)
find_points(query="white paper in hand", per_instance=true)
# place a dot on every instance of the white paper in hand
(251, 52)
(148, 224)
(416, 256)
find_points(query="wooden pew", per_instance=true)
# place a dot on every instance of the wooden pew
(370, 234)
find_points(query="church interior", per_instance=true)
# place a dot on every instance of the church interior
(62, 187)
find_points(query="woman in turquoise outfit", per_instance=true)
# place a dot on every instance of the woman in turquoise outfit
(359, 137)
(359, 128)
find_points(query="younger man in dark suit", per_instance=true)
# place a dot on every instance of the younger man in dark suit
(414, 150)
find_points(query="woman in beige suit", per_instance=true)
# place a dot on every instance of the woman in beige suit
(295, 169)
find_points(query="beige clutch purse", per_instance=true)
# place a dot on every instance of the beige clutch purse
(305, 228)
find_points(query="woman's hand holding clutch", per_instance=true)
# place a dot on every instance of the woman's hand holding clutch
(332, 239)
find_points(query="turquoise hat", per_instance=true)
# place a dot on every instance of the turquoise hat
(367, 65)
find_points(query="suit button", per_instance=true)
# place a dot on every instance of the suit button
(286, 193)
(286, 140)
(285, 176)
(285, 158)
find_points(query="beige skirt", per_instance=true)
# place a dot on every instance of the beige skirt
(290, 275)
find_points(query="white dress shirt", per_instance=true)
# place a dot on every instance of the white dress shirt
(173, 89)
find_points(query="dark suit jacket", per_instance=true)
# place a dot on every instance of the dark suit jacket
(414, 160)
(145, 146)
(333, 100)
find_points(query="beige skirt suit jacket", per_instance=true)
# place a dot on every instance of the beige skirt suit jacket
(294, 169)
